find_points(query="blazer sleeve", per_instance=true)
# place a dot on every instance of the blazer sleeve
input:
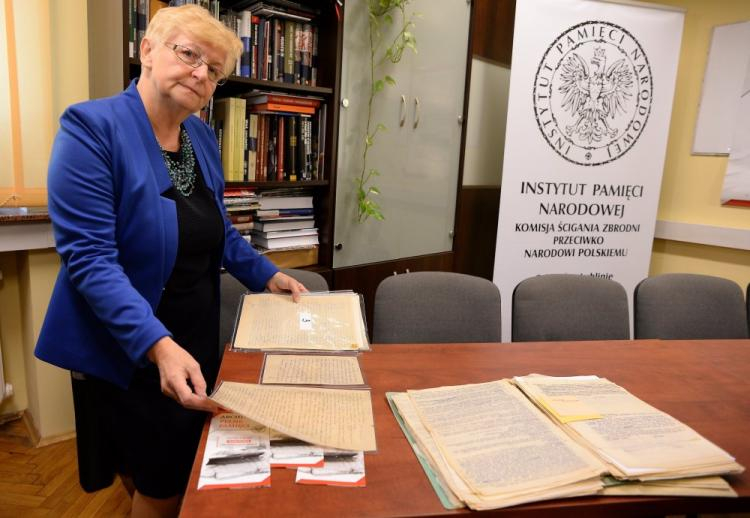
(83, 208)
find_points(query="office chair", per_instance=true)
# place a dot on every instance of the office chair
(436, 307)
(563, 307)
(232, 291)
(689, 306)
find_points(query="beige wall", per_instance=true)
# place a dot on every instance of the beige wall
(49, 38)
(692, 184)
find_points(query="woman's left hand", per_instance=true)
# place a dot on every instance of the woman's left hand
(282, 283)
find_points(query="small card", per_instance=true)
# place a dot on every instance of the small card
(341, 468)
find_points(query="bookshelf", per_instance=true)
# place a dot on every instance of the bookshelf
(329, 24)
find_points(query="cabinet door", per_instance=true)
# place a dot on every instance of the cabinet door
(418, 154)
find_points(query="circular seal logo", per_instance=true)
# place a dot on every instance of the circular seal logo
(592, 93)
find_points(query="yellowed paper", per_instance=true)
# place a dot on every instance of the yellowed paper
(331, 321)
(311, 369)
(700, 486)
(337, 418)
(499, 444)
(635, 439)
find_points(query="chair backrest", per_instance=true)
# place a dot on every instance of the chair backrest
(436, 307)
(561, 307)
(232, 290)
(747, 301)
(313, 281)
(689, 306)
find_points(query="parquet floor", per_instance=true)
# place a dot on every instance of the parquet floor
(43, 481)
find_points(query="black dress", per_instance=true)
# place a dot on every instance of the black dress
(151, 437)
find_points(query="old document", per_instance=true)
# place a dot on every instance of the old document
(331, 321)
(502, 448)
(312, 369)
(637, 440)
(337, 418)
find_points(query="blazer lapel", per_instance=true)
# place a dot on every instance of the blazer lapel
(148, 139)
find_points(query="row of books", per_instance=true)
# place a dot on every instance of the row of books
(140, 13)
(276, 220)
(278, 46)
(280, 40)
(270, 137)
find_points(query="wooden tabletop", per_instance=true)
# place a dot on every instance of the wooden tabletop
(705, 384)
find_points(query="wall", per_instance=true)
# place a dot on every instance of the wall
(691, 184)
(49, 41)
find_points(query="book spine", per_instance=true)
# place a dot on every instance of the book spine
(280, 52)
(314, 57)
(245, 37)
(297, 53)
(246, 147)
(289, 52)
(300, 173)
(254, 40)
(292, 149)
(252, 146)
(286, 108)
(280, 149)
(306, 58)
(261, 55)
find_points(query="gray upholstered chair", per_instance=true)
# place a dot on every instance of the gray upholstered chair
(436, 307)
(313, 281)
(562, 307)
(232, 290)
(689, 306)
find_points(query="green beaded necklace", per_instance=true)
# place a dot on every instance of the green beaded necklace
(182, 171)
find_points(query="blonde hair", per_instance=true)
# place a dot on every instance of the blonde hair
(198, 22)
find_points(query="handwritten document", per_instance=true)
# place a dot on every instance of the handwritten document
(311, 369)
(337, 418)
(331, 321)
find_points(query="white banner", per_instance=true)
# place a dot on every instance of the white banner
(591, 93)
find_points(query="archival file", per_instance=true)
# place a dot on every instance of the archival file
(328, 322)
(488, 446)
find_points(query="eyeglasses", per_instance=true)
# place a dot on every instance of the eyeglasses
(194, 59)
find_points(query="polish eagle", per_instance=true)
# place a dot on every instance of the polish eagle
(594, 95)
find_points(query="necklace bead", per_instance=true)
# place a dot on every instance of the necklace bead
(182, 171)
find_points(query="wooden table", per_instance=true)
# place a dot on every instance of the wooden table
(705, 384)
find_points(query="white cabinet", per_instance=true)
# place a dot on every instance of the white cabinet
(418, 155)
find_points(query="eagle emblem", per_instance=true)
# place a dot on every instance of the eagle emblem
(594, 94)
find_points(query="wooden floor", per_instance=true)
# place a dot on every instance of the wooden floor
(44, 481)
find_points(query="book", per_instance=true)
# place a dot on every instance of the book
(245, 33)
(541, 437)
(274, 98)
(285, 202)
(277, 243)
(284, 213)
(276, 225)
(274, 234)
(284, 108)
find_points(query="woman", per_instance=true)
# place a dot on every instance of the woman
(135, 197)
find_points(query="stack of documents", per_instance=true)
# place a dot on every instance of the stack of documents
(488, 445)
(319, 321)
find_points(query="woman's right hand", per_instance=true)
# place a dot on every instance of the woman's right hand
(176, 368)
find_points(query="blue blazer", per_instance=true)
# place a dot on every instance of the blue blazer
(117, 236)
